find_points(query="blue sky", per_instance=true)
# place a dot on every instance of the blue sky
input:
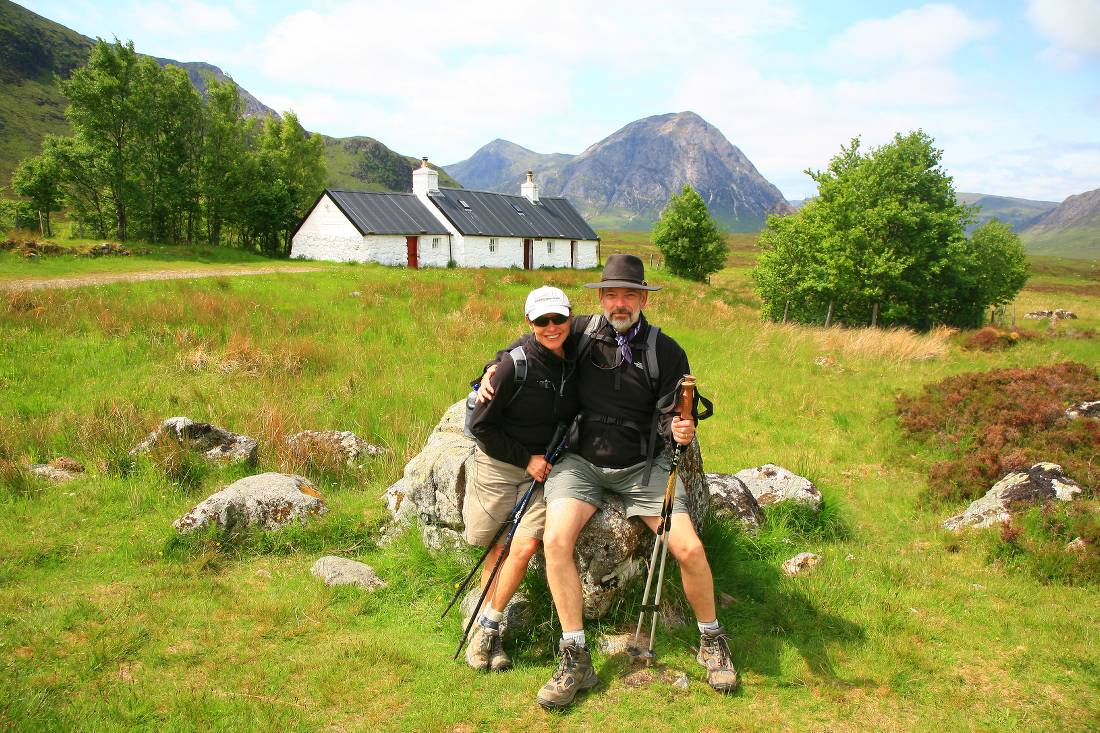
(1009, 90)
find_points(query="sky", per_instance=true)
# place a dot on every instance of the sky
(1010, 91)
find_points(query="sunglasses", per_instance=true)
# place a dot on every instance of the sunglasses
(543, 321)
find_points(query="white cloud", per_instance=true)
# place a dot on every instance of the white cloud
(1072, 26)
(184, 17)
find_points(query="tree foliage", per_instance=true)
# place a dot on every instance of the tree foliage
(150, 159)
(689, 238)
(886, 231)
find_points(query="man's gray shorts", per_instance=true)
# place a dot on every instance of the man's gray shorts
(575, 478)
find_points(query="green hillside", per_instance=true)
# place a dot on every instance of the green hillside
(1079, 243)
(1015, 212)
(364, 164)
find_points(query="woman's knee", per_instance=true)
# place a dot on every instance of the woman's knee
(524, 548)
(687, 550)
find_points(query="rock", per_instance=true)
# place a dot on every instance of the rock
(676, 678)
(343, 571)
(1055, 315)
(1017, 492)
(725, 600)
(266, 500)
(800, 563)
(402, 512)
(1077, 546)
(216, 444)
(67, 464)
(52, 473)
(612, 644)
(731, 499)
(610, 550)
(771, 484)
(332, 446)
(518, 614)
(1084, 409)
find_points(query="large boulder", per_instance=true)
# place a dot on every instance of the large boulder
(771, 484)
(266, 500)
(1017, 492)
(332, 446)
(731, 499)
(610, 550)
(214, 443)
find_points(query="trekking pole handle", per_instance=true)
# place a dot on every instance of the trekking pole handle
(687, 396)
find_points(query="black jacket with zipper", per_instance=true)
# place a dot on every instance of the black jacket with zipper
(513, 426)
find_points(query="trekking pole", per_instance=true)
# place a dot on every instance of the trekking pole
(557, 444)
(664, 527)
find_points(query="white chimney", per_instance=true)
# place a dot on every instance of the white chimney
(425, 179)
(529, 189)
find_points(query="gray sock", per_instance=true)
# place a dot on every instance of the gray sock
(708, 627)
(573, 637)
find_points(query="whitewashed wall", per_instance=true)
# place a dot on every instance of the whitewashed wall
(559, 257)
(434, 256)
(326, 234)
(586, 254)
(509, 252)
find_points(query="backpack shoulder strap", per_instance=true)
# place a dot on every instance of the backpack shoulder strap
(584, 341)
(651, 367)
(519, 359)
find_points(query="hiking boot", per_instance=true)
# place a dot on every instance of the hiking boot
(574, 673)
(479, 653)
(498, 660)
(714, 654)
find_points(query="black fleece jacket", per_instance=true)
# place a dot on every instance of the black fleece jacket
(513, 430)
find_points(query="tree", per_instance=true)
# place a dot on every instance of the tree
(885, 235)
(689, 238)
(39, 179)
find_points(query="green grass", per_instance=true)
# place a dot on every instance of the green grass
(1082, 243)
(108, 621)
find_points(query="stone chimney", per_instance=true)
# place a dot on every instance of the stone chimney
(529, 189)
(425, 179)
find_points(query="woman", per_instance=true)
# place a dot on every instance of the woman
(512, 432)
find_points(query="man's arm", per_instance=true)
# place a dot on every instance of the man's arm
(485, 390)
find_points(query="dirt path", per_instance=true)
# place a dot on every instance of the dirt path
(103, 278)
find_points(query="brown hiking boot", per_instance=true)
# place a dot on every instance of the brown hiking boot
(574, 673)
(479, 653)
(714, 654)
(498, 660)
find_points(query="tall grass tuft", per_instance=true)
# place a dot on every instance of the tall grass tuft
(897, 345)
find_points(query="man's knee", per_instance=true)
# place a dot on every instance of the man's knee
(558, 544)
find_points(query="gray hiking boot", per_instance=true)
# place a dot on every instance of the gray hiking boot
(498, 660)
(574, 673)
(714, 654)
(479, 652)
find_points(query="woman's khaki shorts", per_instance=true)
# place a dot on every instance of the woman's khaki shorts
(493, 490)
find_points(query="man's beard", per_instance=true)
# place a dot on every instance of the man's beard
(622, 322)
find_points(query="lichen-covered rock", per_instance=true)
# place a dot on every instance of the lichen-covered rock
(335, 570)
(1017, 492)
(1058, 314)
(266, 500)
(1090, 408)
(771, 484)
(216, 444)
(52, 473)
(518, 614)
(731, 499)
(800, 563)
(610, 550)
(67, 464)
(342, 445)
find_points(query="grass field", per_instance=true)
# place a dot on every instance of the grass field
(108, 621)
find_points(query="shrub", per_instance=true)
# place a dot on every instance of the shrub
(991, 338)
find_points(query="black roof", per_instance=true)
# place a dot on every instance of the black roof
(500, 215)
(377, 212)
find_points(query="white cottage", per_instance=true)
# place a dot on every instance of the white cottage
(433, 226)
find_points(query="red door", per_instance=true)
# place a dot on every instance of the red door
(527, 254)
(414, 260)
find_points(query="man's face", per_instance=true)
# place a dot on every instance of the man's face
(622, 306)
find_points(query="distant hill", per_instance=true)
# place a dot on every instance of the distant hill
(1072, 229)
(33, 50)
(1017, 213)
(502, 166)
(626, 179)
(364, 164)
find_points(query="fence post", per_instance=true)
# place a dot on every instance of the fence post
(874, 315)
(786, 307)
(829, 315)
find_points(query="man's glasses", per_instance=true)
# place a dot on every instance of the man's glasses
(543, 321)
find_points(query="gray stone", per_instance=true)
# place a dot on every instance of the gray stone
(771, 484)
(402, 512)
(1077, 546)
(611, 550)
(52, 473)
(335, 570)
(216, 444)
(518, 614)
(731, 499)
(343, 445)
(1084, 409)
(1057, 314)
(266, 500)
(1017, 492)
(800, 563)
(612, 644)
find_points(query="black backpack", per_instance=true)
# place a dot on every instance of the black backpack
(519, 359)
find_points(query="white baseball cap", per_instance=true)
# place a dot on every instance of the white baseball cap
(546, 300)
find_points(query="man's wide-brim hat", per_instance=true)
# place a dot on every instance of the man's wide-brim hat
(623, 271)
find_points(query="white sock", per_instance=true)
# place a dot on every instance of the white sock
(492, 614)
(705, 626)
(573, 637)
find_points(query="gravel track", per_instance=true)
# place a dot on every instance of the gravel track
(104, 278)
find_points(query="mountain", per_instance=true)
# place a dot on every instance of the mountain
(364, 164)
(626, 179)
(1017, 213)
(502, 166)
(33, 52)
(1072, 229)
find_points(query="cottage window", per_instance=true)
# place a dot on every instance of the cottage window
(492, 246)
(435, 242)
(549, 246)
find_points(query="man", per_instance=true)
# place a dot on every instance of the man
(617, 444)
